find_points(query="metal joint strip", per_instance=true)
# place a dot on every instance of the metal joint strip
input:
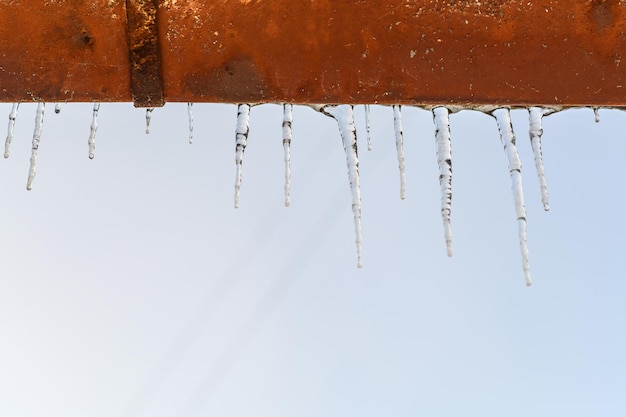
(145, 58)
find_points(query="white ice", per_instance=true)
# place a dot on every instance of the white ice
(11, 129)
(148, 118)
(596, 114)
(444, 160)
(536, 130)
(190, 117)
(241, 140)
(397, 125)
(36, 137)
(344, 115)
(94, 128)
(503, 117)
(368, 126)
(287, 136)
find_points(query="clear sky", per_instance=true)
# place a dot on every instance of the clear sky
(130, 286)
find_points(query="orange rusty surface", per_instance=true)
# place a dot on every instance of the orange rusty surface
(61, 50)
(463, 52)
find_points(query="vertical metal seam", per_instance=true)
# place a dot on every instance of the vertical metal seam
(146, 71)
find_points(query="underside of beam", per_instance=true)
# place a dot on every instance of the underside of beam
(420, 52)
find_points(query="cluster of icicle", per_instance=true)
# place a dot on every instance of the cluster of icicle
(344, 116)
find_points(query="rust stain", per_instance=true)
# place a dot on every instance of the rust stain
(603, 13)
(238, 78)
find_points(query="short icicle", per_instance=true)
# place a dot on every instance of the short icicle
(94, 128)
(444, 160)
(536, 130)
(397, 125)
(190, 117)
(596, 114)
(368, 126)
(241, 141)
(11, 129)
(287, 136)
(57, 108)
(344, 115)
(148, 118)
(503, 117)
(36, 137)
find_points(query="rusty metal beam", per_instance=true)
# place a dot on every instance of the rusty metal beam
(421, 52)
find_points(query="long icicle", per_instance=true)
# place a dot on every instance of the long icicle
(36, 137)
(148, 118)
(344, 115)
(503, 117)
(287, 136)
(190, 117)
(535, 132)
(241, 141)
(11, 129)
(444, 160)
(397, 125)
(368, 126)
(94, 128)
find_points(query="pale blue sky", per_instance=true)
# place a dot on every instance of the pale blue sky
(132, 287)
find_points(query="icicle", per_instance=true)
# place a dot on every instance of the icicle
(94, 128)
(36, 137)
(12, 117)
(287, 135)
(503, 117)
(397, 124)
(344, 115)
(444, 160)
(367, 127)
(536, 130)
(241, 140)
(148, 118)
(596, 114)
(57, 108)
(190, 114)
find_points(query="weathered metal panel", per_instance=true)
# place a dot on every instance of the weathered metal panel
(63, 50)
(464, 52)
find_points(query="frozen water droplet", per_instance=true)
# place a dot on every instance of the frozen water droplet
(94, 128)
(444, 160)
(57, 108)
(36, 137)
(190, 114)
(241, 141)
(368, 126)
(503, 117)
(148, 118)
(287, 136)
(397, 125)
(344, 115)
(11, 129)
(535, 131)
(596, 114)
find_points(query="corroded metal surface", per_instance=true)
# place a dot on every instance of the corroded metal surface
(464, 52)
(64, 50)
(145, 61)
